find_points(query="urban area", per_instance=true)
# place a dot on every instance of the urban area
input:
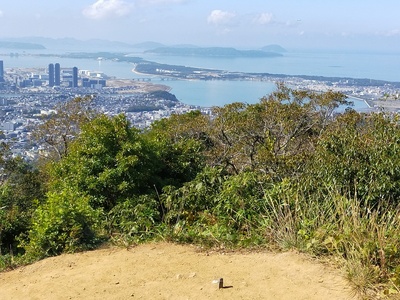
(27, 96)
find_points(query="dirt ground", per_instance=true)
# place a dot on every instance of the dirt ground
(168, 271)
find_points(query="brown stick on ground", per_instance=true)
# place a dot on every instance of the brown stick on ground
(221, 283)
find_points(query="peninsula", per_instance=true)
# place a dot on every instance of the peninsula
(211, 52)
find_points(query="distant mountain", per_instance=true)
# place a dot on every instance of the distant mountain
(148, 45)
(106, 43)
(71, 44)
(96, 45)
(273, 48)
(185, 46)
(47, 42)
(211, 52)
(20, 45)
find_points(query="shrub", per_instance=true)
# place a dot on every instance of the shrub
(359, 155)
(133, 220)
(65, 223)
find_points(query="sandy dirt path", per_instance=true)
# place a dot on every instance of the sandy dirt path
(168, 271)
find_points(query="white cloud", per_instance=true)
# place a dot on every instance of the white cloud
(264, 18)
(102, 9)
(219, 17)
(1, 13)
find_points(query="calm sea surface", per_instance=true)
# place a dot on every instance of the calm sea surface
(383, 66)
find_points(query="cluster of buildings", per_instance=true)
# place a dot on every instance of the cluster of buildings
(28, 95)
(53, 76)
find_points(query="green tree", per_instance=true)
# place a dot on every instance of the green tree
(109, 161)
(359, 155)
(276, 135)
(21, 191)
(179, 143)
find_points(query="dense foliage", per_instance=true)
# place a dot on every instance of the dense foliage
(21, 189)
(287, 172)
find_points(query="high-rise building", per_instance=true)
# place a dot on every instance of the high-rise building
(1, 71)
(57, 74)
(74, 77)
(51, 75)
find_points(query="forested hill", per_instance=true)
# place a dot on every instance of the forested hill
(212, 52)
(20, 45)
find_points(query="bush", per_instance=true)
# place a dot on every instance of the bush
(133, 220)
(215, 209)
(21, 191)
(6, 262)
(359, 155)
(65, 223)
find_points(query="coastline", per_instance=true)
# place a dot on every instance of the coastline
(371, 104)
(388, 105)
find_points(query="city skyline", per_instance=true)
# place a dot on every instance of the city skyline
(302, 24)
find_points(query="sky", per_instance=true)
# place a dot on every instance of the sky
(246, 24)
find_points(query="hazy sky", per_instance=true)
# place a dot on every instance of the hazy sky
(339, 24)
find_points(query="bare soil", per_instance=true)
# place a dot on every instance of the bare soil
(168, 271)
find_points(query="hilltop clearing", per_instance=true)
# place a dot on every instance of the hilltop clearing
(168, 271)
